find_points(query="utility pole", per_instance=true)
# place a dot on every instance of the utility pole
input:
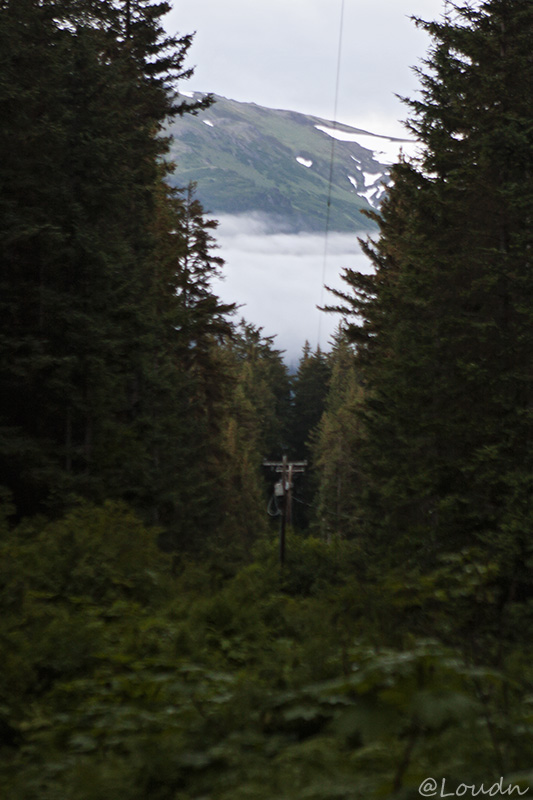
(283, 490)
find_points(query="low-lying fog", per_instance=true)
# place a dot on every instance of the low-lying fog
(278, 279)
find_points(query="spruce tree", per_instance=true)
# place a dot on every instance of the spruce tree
(446, 340)
(263, 379)
(91, 365)
(310, 387)
(253, 429)
(335, 447)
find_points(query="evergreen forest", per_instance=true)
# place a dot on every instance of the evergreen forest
(155, 644)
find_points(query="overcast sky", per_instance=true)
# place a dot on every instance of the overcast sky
(284, 54)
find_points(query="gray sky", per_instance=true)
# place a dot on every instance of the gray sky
(283, 54)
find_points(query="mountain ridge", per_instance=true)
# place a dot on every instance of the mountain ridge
(248, 159)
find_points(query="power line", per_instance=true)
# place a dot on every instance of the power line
(331, 166)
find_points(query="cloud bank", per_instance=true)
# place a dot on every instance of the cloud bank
(278, 278)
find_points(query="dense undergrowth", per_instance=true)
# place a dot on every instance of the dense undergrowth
(129, 675)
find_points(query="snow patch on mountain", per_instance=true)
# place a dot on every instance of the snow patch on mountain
(375, 185)
(353, 181)
(371, 177)
(385, 149)
(374, 194)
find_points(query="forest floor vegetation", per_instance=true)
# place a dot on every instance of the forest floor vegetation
(127, 675)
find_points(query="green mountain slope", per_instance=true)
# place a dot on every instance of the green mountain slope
(249, 159)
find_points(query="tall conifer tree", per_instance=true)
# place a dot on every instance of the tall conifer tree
(446, 342)
(310, 387)
(96, 352)
(335, 447)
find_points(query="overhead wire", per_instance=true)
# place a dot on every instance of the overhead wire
(331, 168)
